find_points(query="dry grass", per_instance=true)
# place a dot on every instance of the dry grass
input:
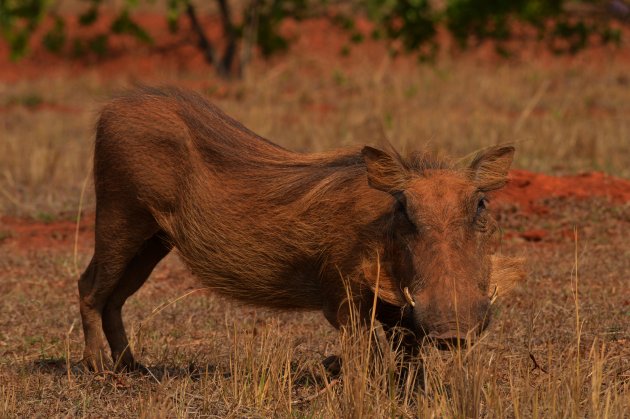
(550, 352)
(562, 118)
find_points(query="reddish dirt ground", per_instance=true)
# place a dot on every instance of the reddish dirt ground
(527, 193)
(529, 190)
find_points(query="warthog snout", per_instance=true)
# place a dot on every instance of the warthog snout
(453, 333)
(461, 324)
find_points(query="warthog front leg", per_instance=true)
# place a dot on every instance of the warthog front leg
(135, 275)
(123, 259)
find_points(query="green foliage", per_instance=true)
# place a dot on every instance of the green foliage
(18, 21)
(173, 11)
(98, 44)
(20, 18)
(611, 36)
(412, 23)
(491, 19)
(269, 15)
(90, 16)
(123, 24)
(55, 38)
(409, 25)
(29, 100)
(575, 35)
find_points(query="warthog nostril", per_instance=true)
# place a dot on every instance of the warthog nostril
(453, 337)
(449, 340)
(448, 343)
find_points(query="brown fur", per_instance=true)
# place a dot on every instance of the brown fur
(273, 227)
(506, 273)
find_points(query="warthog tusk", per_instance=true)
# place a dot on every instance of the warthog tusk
(494, 295)
(408, 297)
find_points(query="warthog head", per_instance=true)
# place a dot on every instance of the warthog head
(442, 241)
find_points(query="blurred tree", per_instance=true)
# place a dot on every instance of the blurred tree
(414, 22)
(259, 26)
(566, 25)
(18, 20)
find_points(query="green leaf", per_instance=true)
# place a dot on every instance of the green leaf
(123, 24)
(173, 11)
(55, 38)
(356, 38)
(99, 44)
(89, 17)
(18, 43)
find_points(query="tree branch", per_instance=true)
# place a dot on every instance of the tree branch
(204, 42)
(250, 32)
(230, 33)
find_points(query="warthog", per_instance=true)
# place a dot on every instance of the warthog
(277, 228)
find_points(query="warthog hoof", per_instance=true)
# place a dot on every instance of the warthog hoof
(332, 365)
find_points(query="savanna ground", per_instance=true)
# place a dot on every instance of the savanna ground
(559, 346)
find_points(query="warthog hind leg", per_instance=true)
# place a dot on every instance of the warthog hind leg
(94, 354)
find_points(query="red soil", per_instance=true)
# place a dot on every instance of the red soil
(28, 234)
(526, 190)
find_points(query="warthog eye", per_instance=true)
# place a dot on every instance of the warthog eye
(481, 205)
(401, 208)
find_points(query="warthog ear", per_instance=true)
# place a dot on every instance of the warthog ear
(384, 172)
(489, 168)
(506, 273)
